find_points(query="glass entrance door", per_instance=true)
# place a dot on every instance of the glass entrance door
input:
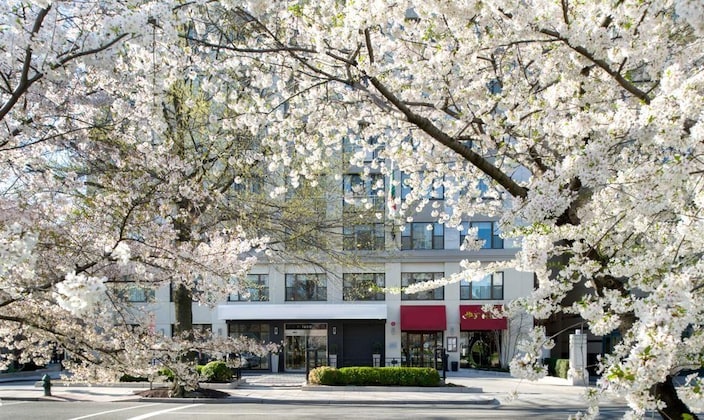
(418, 348)
(305, 343)
(295, 353)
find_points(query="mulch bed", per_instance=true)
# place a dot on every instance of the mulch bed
(198, 393)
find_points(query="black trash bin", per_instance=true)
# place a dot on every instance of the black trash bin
(454, 366)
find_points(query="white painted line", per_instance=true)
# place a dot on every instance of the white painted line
(112, 411)
(12, 402)
(157, 413)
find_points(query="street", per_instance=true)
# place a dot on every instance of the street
(32, 410)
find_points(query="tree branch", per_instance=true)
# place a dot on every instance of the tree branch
(429, 128)
(630, 87)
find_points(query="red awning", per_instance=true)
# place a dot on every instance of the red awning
(423, 318)
(473, 318)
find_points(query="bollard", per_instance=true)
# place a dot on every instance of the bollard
(46, 384)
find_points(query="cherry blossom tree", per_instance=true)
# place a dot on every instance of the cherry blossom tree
(98, 188)
(122, 171)
(577, 124)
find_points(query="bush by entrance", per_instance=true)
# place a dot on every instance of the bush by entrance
(368, 376)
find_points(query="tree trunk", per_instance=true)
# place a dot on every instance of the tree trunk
(675, 408)
(183, 304)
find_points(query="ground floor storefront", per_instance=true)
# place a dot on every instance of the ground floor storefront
(337, 335)
(311, 335)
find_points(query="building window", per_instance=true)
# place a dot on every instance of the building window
(423, 235)
(363, 237)
(408, 279)
(491, 287)
(132, 292)
(363, 192)
(486, 231)
(254, 288)
(258, 332)
(435, 191)
(354, 147)
(306, 287)
(363, 286)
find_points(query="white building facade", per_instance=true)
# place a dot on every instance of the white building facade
(359, 315)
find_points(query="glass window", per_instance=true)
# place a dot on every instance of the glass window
(363, 286)
(257, 332)
(254, 288)
(418, 349)
(486, 231)
(306, 287)
(355, 145)
(490, 287)
(363, 237)
(423, 235)
(363, 192)
(436, 191)
(132, 292)
(408, 279)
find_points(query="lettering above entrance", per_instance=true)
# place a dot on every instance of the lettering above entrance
(473, 318)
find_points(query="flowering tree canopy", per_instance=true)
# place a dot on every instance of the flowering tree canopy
(578, 124)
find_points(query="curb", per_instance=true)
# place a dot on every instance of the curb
(259, 400)
(429, 389)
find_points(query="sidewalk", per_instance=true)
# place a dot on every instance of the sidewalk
(471, 387)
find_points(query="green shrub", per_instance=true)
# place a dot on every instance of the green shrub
(199, 369)
(168, 373)
(370, 376)
(324, 375)
(217, 371)
(561, 368)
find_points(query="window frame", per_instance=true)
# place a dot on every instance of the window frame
(261, 286)
(496, 287)
(437, 241)
(319, 289)
(493, 241)
(359, 189)
(351, 234)
(433, 294)
(351, 280)
(432, 194)
(127, 291)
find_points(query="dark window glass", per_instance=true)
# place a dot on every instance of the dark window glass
(408, 279)
(254, 288)
(423, 235)
(306, 287)
(363, 286)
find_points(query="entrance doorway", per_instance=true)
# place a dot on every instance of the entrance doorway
(419, 348)
(305, 344)
(480, 348)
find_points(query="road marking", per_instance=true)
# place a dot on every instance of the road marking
(112, 411)
(157, 413)
(13, 402)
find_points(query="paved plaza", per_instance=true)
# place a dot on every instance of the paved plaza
(465, 387)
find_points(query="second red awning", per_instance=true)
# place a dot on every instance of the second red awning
(473, 318)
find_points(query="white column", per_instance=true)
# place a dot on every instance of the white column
(578, 374)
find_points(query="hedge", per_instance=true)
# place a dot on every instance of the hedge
(217, 371)
(384, 376)
(561, 368)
